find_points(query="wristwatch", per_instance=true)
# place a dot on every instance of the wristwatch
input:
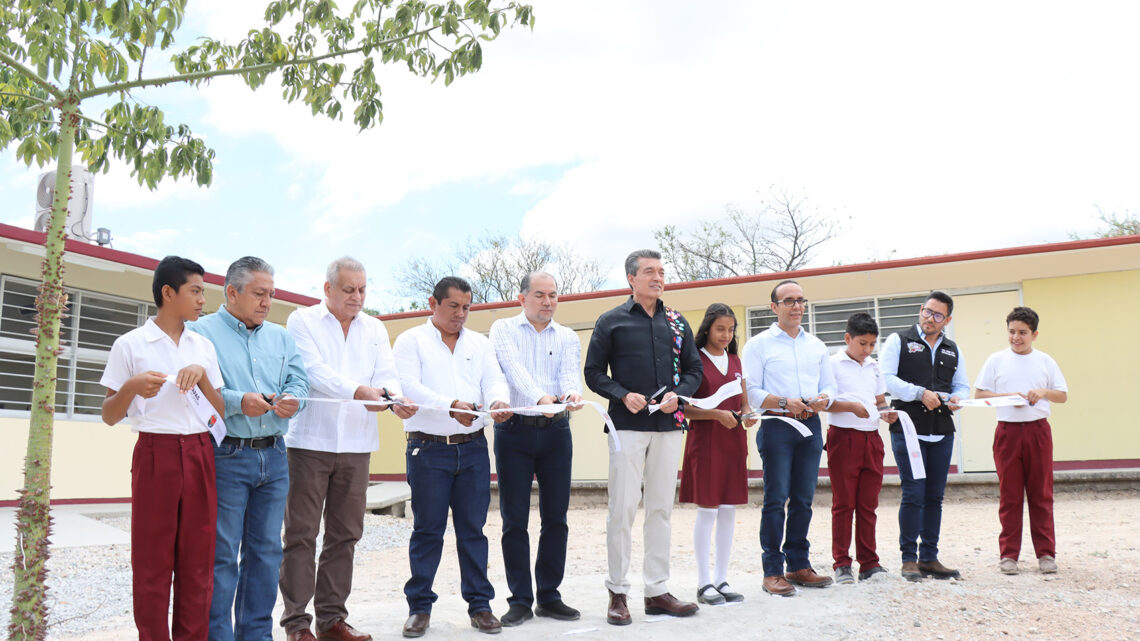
(783, 403)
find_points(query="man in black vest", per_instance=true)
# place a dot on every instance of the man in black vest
(926, 377)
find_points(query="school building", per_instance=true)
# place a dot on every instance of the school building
(1065, 282)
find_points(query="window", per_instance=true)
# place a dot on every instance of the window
(828, 321)
(90, 324)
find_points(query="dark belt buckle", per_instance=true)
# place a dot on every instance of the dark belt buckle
(447, 439)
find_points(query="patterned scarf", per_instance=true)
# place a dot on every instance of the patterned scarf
(677, 324)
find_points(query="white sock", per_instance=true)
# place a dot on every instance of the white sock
(702, 542)
(725, 525)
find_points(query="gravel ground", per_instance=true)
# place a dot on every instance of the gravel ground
(1095, 596)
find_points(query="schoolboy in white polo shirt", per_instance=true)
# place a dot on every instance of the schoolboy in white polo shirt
(855, 449)
(173, 501)
(1023, 441)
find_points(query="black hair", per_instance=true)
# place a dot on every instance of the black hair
(173, 271)
(445, 284)
(779, 285)
(861, 323)
(715, 311)
(1025, 315)
(944, 298)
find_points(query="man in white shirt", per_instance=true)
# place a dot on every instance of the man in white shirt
(789, 371)
(541, 360)
(443, 365)
(347, 357)
(1023, 440)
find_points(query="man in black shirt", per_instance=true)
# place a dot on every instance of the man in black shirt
(642, 353)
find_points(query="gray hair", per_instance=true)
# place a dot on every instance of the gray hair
(635, 257)
(344, 263)
(241, 271)
(524, 286)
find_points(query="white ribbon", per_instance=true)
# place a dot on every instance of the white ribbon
(204, 410)
(726, 391)
(994, 401)
(910, 436)
(552, 408)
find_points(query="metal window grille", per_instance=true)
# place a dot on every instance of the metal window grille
(90, 324)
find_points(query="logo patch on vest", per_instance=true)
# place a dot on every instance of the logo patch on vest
(913, 347)
(947, 352)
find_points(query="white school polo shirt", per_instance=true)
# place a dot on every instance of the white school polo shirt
(862, 380)
(1007, 372)
(146, 349)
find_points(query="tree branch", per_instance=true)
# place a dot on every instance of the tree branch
(25, 96)
(31, 75)
(217, 73)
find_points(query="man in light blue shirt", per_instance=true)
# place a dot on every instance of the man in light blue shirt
(264, 375)
(789, 372)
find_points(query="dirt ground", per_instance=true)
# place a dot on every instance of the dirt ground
(1096, 594)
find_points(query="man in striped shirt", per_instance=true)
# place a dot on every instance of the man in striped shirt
(540, 359)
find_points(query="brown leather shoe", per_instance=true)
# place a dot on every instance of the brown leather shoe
(778, 585)
(417, 625)
(808, 578)
(486, 622)
(341, 631)
(618, 614)
(910, 572)
(301, 635)
(937, 570)
(669, 604)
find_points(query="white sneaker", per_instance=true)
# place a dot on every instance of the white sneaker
(1047, 565)
(1008, 566)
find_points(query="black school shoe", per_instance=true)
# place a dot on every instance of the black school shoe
(870, 572)
(557, 610)
(516, 615)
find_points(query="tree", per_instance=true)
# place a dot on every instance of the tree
(62, 60)
(495, 265)
(781, 236)
(1126, 224)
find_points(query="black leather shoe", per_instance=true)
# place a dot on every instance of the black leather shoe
(556, 610)
(516, 615)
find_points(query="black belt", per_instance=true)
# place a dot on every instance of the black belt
(453, 439)
(251, 443)
(541, 421)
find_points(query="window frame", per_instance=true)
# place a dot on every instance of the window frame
(72, 356)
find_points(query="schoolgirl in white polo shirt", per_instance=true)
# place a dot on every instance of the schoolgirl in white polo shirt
(173, 500)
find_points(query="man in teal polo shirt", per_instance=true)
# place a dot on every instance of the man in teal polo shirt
(264, 375)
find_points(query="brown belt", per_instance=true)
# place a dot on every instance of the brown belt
(453, 439)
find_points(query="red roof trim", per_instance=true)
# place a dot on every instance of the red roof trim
(129, 259)
(1043, 248)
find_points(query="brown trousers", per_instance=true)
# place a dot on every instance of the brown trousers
(336, 484)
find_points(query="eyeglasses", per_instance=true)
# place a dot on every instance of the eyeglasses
(930, 313)
(792, 302)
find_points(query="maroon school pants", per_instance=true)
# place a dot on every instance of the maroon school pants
(1023, 454)
(855, 466)
(174, 510)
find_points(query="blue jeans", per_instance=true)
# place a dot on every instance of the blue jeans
(522, 453)
(252, 486)
(459, 477)
(920, 510)
(791, 471)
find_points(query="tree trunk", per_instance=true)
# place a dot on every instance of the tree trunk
(33, 521)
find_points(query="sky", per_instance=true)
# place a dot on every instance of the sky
(921, 128)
